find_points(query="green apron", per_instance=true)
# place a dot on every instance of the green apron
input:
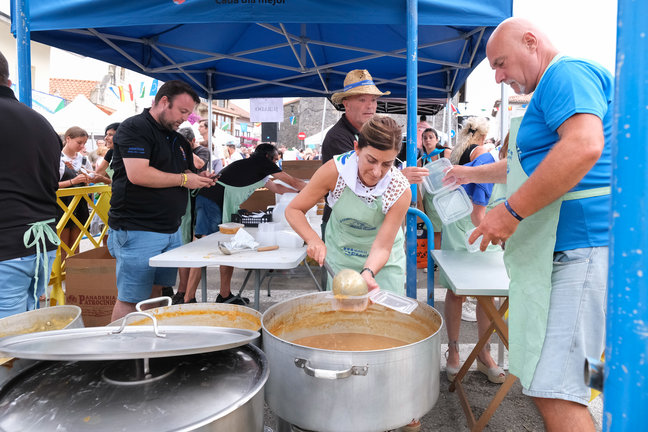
(454, 234)
(529, 262)
(350, 233)
(431, 212)
(234, 196)
(185, 222)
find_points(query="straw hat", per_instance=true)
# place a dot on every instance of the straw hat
(357, 82)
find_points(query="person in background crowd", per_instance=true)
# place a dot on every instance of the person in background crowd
(152, 170)
(555, 221)
(103, 165)
(218, 161)
(77, 171)
(233, 154)
(470, 142)
(421, 126)
(29, 172)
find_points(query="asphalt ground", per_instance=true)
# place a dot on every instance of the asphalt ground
(516, 412)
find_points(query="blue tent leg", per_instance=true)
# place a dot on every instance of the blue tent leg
(412, 102)
(626, 354)
(412, 212)
(23, 48)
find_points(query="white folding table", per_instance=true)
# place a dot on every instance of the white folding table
(481, 275)
(204, 252)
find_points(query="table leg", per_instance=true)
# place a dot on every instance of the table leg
(257, 288)
(499, 326)
(203, 284)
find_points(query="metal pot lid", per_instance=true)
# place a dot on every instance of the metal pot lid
(77, 396)
(127, 342)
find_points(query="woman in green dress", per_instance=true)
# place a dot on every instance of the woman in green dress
(369, 198)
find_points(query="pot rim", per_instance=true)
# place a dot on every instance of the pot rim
(321, 293)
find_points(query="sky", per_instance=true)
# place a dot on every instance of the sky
(582, 28)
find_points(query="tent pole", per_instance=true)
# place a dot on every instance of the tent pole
(412, 84)
(626, 350)
(449, 120)
(209, 121)
(23, 48)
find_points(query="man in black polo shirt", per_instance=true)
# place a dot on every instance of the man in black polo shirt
(29, 174)
(152, 167)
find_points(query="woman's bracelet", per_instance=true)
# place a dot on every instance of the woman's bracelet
(513, 212)
(71, 184)
(369, 270)
(184, 179)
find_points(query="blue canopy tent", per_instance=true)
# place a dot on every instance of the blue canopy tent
(278, 48)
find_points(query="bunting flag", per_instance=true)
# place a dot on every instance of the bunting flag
(154, 88)
(454, 109)
(257, 124)
(130, 91)
(225, 126)
(122, 97)
(112, 89)
(47, 101)
(293, 120)
(142, 91)
(243, 127)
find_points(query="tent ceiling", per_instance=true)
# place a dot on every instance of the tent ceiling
(293, 48)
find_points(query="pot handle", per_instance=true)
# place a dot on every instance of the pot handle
(330, 374)
(139, 305)
(156, 330)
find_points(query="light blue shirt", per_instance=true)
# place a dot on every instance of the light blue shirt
(572, 86)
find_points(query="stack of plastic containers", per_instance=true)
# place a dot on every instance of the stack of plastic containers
(451, 201)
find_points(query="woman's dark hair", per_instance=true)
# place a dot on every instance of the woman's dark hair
(112, 126)
(381, 133)
(431, 130)
(266, 150)
(75, 132)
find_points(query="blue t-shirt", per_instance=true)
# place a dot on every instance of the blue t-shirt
(480, 193)
(572, 86)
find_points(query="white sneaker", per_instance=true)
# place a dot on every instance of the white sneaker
(469, 311)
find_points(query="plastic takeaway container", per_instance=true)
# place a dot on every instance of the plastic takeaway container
(437, 169)
(452, 205)
(474, 247)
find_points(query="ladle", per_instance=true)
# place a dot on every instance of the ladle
(389, 300)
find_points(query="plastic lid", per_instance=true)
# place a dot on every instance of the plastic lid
(393, 301)
(452, 205)
(433, 183)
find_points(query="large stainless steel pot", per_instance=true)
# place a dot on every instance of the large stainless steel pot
(327, 390)
(217, 391)
(50, 318)
(203, 314)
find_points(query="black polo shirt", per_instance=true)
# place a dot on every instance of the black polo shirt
(339, 139)
(29, 174)
(140, 208)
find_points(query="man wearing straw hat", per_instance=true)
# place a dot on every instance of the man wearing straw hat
(360, 99)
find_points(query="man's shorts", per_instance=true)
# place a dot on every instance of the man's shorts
(132, 250)
(17, 282)
(576, 325)
(208, 216)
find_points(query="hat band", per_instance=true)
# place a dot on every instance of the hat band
(358, 84)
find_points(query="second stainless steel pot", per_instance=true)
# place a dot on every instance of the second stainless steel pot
(327, 390)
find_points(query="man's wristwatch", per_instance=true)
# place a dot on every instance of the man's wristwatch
(369, 270)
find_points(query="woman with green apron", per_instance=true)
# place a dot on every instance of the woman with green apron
(454, 238)
(431, 151)
(369, 199)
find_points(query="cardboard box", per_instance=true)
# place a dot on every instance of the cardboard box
(259, 200)
(301, 169)
(90, 283)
